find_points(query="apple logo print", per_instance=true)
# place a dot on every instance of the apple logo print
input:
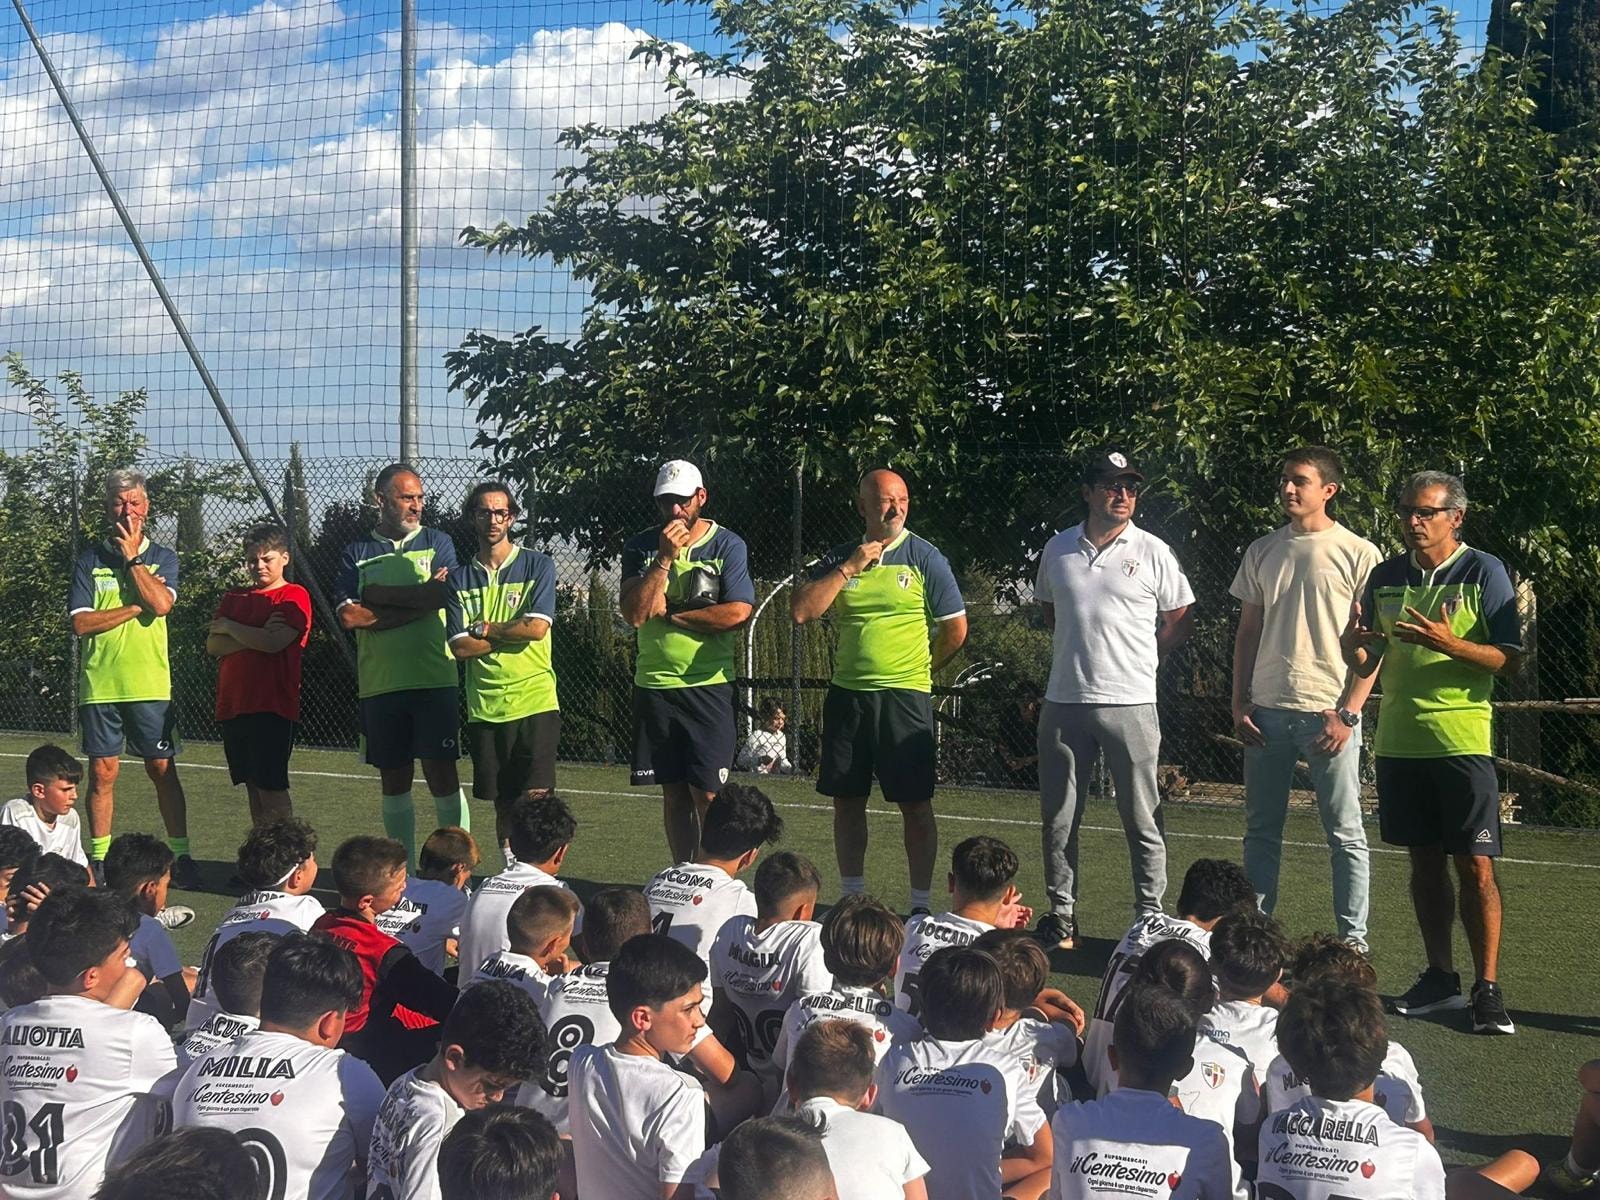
(1173, 1181)
(276, 1098)
(697, 900)
(986, 1086)
(1367, 1169)
(72, 1073)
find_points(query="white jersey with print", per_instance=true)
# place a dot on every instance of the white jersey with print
(962, 1103)
(576, 1013)
(427, 915)
(412, 1123)
(873, 1158)
(483, 924)
(516, 969)
(152, 950)
(1344, 1150)
(1222, 1087)
(924, 935)
(1397, 1090)
(1149, 930)
(690, 903)
(1251, 1028)
(304, 1111)
(863, 1005)
(1043, 1048)
(79, 1088)
(216, 1030)
(759, 975)
(264, 911)
(635, 1123)
(1134, 1145)
(65, 837)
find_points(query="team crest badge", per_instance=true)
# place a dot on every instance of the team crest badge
(514, 598)
(1214, 1074)
(1117, 459)
(1451, 606)
(1130, 567)
(722, 775)
(903, 580)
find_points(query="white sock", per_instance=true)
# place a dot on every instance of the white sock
(919, 898)
(853, 885)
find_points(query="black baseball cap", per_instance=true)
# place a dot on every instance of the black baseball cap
(1108, 462)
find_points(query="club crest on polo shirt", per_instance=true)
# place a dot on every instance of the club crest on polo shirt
(1130, 567)
(903, 580)
(513, 598)
(1124, 1172)
(1214, 1074)
(1450, 606)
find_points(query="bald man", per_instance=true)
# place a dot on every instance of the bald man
(887, 590)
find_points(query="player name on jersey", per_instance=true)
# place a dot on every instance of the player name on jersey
(59, 1037)
(1325, 1128)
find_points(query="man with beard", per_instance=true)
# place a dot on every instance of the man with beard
(686, 588)
(392, 593)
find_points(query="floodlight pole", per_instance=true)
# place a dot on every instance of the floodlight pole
(410, 446)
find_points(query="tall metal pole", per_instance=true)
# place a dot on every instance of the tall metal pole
(410, 446)
(797, 557)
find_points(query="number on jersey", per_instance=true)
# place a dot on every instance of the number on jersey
(566, 1035)
(49, 1130)
(272, 1166)
(760, 1036)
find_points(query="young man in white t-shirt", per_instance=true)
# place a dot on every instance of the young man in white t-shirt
(540, 829)
(539, 930)
(49, 811)
(1041, 1025)
(1292, 695)
(491, 1043)
(305, 1107)
(427, 917)
(775, 1158)
(1248, 954)
(81, 1086)
(238, 970)
(501, 1154)
(983, 896)
(138, 867)
(637, 1125)
(963, 1100)
(1134, 1139)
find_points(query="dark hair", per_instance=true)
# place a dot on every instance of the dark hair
(388, 475)
(861, 941)
(1332, 1035)
(239, 969)
(498, 1027)
(1024, 966)
(540, 914)
(652, 970)
(1180, 968)
(272, 851)
(17, 848)
(832, 1058)
(1153, 1032)
(612, 916)
(56, 872)
(196, 1163)
(769, 707)
(1214, 887)
(1320, 459)
(447, 848)
(500, 1154)
(486, 488)
(984, 867)
(738, 820)
(364, 865)
(961, 993)
(268, 535)
(538, 826)
(307, 975)
(782, 876)
(1248, 953)
(774, 1158)
(20, 981)
(1322, 954)
(49, 762)
(135, 859)
(75, 929)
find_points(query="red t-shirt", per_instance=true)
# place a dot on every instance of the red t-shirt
(253, 681)
(390, 975)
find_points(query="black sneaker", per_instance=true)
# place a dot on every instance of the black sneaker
(1057, 932)
(1434, 991)
(185, 875)
(1489, 1009)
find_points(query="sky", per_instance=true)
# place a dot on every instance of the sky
(256, 145)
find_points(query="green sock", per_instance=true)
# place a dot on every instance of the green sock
(98, 847)
(179, 846)
(400, 822)
(453, 810)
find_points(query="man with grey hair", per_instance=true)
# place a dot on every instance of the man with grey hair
(123, 587)
(1440, 622)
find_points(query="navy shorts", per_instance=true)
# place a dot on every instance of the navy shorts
(400, 727)
(886, 733)
(147, 726)
(513, 757)
(1451, 802)
(683, 735)
(257, 747)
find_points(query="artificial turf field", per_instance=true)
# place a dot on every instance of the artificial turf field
(1484, 1095)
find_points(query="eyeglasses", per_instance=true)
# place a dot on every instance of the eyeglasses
(493, 514)
(1406, 511)
(1114, 486)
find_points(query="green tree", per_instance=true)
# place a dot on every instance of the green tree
(1562, 40)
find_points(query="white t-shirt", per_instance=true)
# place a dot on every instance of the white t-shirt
(427, 915)
(1106, 605)
(873, 1158)
(412, 1124)
(760, 975)
(1397, 1090)
(1251, 1028)
(79, 1086)
(308, 1109)
(1305, 584)
(483, 925)
(64, 837)
(1224, 1088)
(863, 1005)
(924, 935)
(764, 744)
(575, 1013)
(962, 1103)
(1043, 1048)
(1134, 1144)
(690, 903)
(635, 1123)
(266, 911)
(217, 1030)
(1149, 930)
(151, 947)
(1322, 1149)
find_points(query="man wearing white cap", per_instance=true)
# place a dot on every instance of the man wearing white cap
(686, 588)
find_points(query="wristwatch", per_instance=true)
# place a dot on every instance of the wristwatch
(136, 561)
(1349, 719)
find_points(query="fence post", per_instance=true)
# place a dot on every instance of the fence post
(73, 647)
(796, 565)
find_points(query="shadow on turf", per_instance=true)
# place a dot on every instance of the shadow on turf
(1456, 1144)
(1460, 1020)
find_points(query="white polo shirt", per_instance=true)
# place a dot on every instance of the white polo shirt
(1107, 602)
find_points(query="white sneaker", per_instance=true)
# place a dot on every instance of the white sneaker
(175, 916)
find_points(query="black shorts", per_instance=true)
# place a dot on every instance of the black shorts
(148, 726)
(1453, 802)
(886, 733)
(511, 757)
(258, 746)
(683, 735)
(399, 727)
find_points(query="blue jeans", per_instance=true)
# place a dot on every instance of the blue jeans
(1268, 774)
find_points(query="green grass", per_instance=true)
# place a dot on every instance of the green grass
(1484, 1094)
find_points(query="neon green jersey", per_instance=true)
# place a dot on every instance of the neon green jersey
(670, 657)
(129, 662)
(515, 680)
(411, 656)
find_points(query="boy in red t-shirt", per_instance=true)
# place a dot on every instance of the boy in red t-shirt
(257, 637)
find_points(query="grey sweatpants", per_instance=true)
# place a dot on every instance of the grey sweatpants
(1130, 737)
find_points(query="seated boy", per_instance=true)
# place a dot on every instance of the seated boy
(540, 829)
(492, 1041)
(139, 869)
(393, 1026)
(48, 813)
(638, 1125)
(776, 1158)
(983, 896)
(188, 1164)
(960, 1098)
(427, 917)
(500, 1154)
(304, 1107)
(80, 1089)
(17, 849)
(42, 876)
(539, 928)
(1038, 1024)
(1248, 954)
(237, 973)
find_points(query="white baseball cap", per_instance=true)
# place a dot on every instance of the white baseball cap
(678, 478)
